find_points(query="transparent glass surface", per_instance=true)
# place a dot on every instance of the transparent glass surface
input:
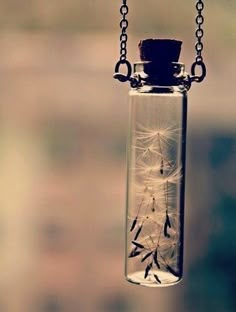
(155, 186)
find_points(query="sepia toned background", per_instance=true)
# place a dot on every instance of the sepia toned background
(63, 122)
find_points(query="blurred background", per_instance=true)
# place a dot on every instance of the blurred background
(63, 122)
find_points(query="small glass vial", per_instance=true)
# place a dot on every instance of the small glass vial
(156, 167)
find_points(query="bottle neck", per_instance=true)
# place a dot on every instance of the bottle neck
(153, 73)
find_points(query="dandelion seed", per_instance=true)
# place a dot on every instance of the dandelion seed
(172, 177)
(138, 232)
(166, 229)
(146, 168)
(133, 224)
(147, 256)
(155, 259)
(175, 176)
(153, 204)
(168, 221)
(138, 245)
(151, 134)
(134, 253)
(148, 268)
(162, 166)
(147, 152)
(157, 279)
(152, 191)
(151, 153)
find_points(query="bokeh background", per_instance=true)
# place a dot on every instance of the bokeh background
(63, 122)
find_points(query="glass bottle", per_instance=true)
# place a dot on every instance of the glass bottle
(156, 167)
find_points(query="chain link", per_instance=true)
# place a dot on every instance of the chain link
(199, 45)
(124, 10)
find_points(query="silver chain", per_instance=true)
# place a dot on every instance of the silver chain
(124, 10)
(199, 45)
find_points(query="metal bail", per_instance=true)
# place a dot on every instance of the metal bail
(118, 75)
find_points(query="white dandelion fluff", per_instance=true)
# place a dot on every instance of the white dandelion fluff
(154, 217)
(151, 135)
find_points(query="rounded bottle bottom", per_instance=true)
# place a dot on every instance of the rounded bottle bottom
(154, 279)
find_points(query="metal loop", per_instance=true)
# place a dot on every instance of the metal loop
(124, 24)
(201, 77)
(199, 33)
(118, 75)
(199, 59)
(123, 52)
(200, 19)
(124, 10)
(123, 37)
(200, 5)
(199, 46)
(123, 45)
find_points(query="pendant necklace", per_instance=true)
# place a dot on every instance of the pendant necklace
(156, 154)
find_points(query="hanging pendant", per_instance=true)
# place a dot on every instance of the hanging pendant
(156, 154)
(156, 167)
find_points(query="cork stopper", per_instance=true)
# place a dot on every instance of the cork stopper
(160, 51)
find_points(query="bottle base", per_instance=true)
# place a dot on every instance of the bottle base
(154, 279)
